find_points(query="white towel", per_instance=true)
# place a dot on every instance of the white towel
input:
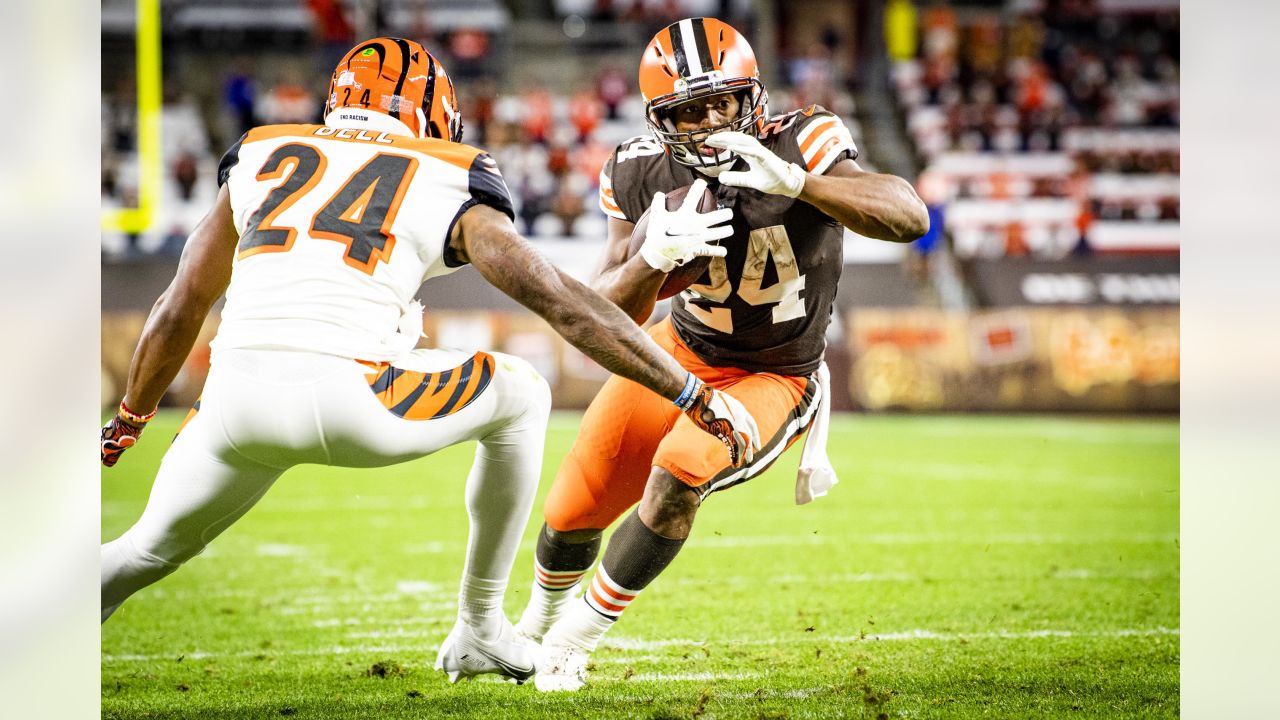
(816, 474)
(408, 332)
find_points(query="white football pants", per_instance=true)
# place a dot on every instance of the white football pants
(264, 411)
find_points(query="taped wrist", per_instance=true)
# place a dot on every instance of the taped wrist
(689, 395)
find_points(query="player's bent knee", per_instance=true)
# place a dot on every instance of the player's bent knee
(518, 379)
(668, 506)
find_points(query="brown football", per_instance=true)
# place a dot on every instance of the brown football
(683, 275)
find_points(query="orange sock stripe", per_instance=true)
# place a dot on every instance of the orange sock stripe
(603, 605)
(613, 589)
(559, 581)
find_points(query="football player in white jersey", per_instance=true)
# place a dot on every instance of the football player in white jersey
(320, 237)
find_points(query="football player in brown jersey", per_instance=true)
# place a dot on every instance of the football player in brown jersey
(753, 325)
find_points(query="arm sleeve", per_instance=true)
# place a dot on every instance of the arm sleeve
(229, 160)
(824, 141)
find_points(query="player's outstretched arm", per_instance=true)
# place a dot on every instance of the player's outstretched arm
(876, 205)
(175, 321)
(486, 238)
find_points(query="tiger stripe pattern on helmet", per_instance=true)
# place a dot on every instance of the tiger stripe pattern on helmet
(427, 396)
(400, 78)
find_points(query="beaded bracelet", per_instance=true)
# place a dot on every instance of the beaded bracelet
(134, 417)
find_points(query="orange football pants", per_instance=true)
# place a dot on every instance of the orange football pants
(628, 429)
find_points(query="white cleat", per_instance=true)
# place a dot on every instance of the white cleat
(561, 668)
(463, 655)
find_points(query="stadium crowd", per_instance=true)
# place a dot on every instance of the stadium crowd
(550, 145)
(1043, 133)
(1049, 132)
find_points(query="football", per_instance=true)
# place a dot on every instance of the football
(683, 275)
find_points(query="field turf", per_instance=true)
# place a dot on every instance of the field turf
(1008, 567)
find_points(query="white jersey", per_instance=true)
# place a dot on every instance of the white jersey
(339, 227)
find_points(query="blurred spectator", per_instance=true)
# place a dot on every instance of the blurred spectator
(185, 175)
(481, 112)
(240, 95)
(613, 88)
(289, 102)
(568, 205)
(585, 111)
(468, 49)
(537, 113)
(333, 31)
(814, 77)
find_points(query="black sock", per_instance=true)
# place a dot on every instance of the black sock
(636, 555)
(560, 564)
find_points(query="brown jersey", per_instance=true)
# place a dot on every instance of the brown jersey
(766, 305)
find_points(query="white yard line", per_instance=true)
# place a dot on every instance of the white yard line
(737, 541)
(637, 644)
(686, 677)
(628, 644)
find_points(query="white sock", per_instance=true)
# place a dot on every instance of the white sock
(580, 625)
(480, 605)
(544, 608)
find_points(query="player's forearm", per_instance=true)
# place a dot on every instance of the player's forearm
(884, 207)
(166, 342)
(632, 286)
(600, 329)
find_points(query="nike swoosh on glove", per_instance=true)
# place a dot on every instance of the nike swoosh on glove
(118, 435)
(768, 173)
(725, 417)
(675, 237)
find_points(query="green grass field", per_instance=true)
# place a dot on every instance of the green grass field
(1008, 567)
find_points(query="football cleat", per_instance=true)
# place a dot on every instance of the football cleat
(464, 655)
(562, 667)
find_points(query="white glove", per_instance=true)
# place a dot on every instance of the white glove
(677, 236)
(722, 415)
(768, 174)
